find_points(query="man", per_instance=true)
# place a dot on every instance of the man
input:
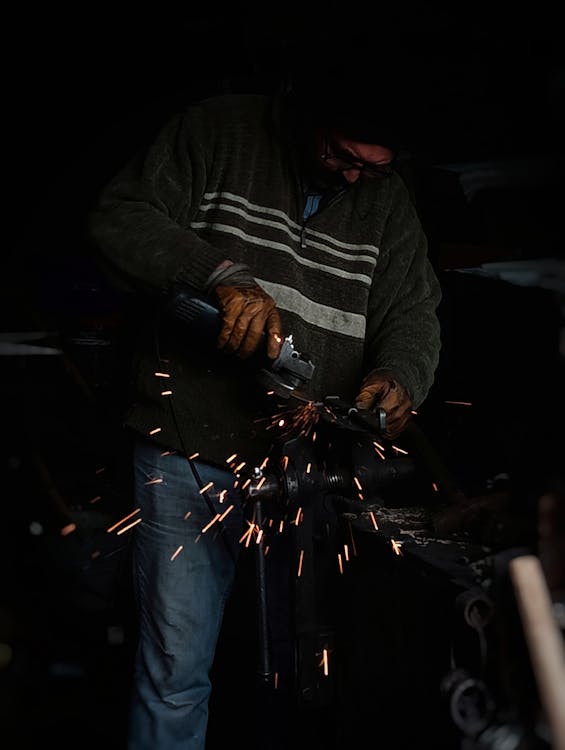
(290, 217)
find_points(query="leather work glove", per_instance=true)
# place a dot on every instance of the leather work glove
(248, 311)
(381, 389)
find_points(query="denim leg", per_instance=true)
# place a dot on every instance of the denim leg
(182, 579)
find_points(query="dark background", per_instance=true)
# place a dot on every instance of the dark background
(84, 87)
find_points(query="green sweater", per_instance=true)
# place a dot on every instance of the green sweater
(353, 283)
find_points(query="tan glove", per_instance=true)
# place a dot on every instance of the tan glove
(380, 389)
(247, 311)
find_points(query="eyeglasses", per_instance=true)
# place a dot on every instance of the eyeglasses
(343, 161)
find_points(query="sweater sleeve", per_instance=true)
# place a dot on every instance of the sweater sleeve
(139, 224)
(404, 337)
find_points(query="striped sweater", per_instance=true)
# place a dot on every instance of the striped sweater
(353, 282)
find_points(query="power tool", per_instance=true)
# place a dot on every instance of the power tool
(288, 375)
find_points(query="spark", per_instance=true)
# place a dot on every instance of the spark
(96, 499)
(382, 455)
(127, 528)
(167, 453)
(285, 462)
(281, 423)
(358, 483)
(265, 551)
(206, 488)
(396, 546)
(434, 485)
(259, 537)
(231, 458)
(346, 552)
(281, 526)
(186, 515)
(414, 412)
(177, 552)
(155, 431)
(161, 374)
(239, 467)
(459, 403)
(399, 450)
(261, 482)
(159, 480)
(123, 520)
(297, 517)
(194, 455)
(308, 468)
(247, 534)
(210, 523)
(224, 514)
(374, 520)
(99, 471)
(300, 560)
(68, 529)
(378, 445)
(264, 464)
(276, 680)
(325, 662)
(166, 393)
(246, 484)
(222, 495)
(340, 562)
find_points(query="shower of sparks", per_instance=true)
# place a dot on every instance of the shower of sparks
(122, 520)
(161, 374)
(224, 514)
(96, 499)
(300, 560)
(340, 562)
(459, 403)
(396, 546)
(374, 520)
(210, 523)
(68, 529)
(166, 393)
(155, 431)
(155, 481)
(177, 552)
(206, 487)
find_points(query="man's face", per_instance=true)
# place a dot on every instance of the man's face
(343, 160)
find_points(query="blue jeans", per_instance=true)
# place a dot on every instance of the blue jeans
(183, 577)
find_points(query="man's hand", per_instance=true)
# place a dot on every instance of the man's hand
(247, 312)
(380, 389)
